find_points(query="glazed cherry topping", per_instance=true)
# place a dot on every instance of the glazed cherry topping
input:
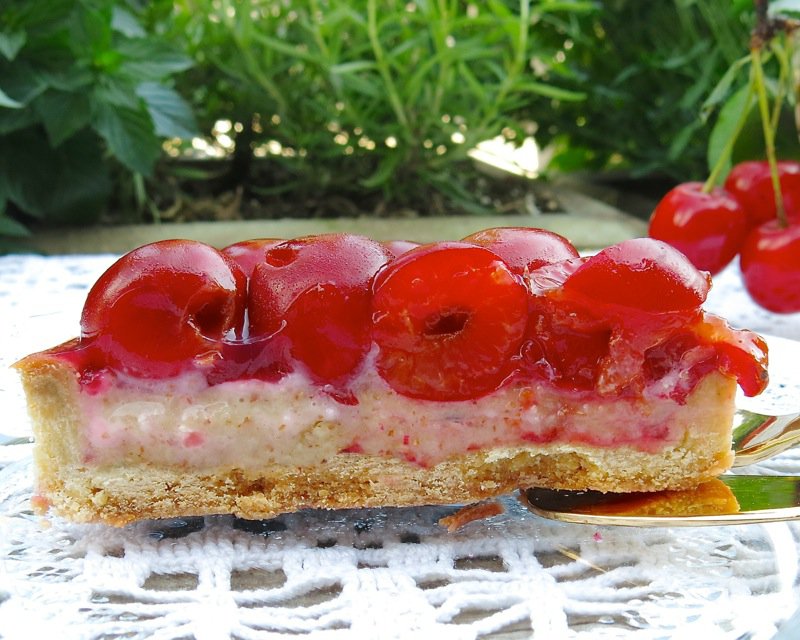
(315, 293)
(524, 249)
(399, 247)
(751, 184)
(564, 344)
(643, 274)
(450, 321)
(447, 319)
(708, 228)
(741, 354)
(745, 358)
(248, 253)
(162, 306)
(770, 261)
(697, 359)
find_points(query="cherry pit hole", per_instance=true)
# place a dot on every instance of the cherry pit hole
(281, 256)
(446, 324)
(212, 316)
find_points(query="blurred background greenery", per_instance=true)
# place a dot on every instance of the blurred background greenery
(133, 111)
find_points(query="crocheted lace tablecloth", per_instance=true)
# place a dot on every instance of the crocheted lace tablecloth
(377, 573)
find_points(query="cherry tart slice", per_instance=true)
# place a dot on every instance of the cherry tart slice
(335, 371)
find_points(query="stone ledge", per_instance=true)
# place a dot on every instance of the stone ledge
(589, 224)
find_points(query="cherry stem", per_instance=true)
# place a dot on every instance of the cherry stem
(725, 155)
(769, 133)
(793, 57)
(783, 83)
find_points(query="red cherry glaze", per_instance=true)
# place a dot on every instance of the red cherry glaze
(745, 360)
(399, 247)
(751, 184)
(447, 319)
(708, 228)
(264, 359)
(315, 293)
(644, 274)
(551, 277)
(684, 346)
(565, 344)
(740, 353)
(770, 262)
(162, 306)
(248, 253)
(524, 248)
(451, 321)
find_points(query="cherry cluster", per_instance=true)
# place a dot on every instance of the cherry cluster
(447, 321)
(712, 226)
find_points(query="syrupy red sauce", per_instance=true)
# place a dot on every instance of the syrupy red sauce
(571, 341)
(582, 345)
(571, 357)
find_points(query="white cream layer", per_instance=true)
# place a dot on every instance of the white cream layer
(249, 423)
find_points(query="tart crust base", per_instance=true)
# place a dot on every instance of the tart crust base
(124, 493)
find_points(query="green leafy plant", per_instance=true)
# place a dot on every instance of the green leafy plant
(375, 102)
(747, 127)
(754, 214)
(646, 69)
(83, 89)
(367, 99)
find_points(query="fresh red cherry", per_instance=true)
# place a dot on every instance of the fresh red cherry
(524, 249)
(248, 253)
(751, 184)
(708, 228)
(315, 293)
(644, 274)
(162, 306)
(448, 318)
(770, 262)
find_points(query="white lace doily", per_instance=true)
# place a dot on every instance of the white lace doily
(390, 573)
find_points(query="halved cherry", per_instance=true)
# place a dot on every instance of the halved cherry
(564, 343)
(643, 274)
(746, 359)
(447, 319)
(162, 306)
(741, 353)
(399, 247)
(524, 248)
(315, 292)
(248, 253)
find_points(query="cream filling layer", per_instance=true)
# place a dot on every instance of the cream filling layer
(252, 424)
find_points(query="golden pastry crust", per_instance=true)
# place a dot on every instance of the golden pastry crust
(119, 494)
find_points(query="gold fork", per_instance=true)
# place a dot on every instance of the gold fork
(730, 499)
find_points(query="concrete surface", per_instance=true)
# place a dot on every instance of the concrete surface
(589, 223)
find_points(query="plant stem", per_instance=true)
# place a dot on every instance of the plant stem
(784, 75)
(323, 48)
(727, 150)
(383, 68)
(793, 53)
(441, 39)
(769, 134)
(516, 66)
(520, 55)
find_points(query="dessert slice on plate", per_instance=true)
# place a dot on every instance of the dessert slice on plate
(335, 371)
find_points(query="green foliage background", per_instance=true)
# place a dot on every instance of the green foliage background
(83, 89)
(91, 89)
